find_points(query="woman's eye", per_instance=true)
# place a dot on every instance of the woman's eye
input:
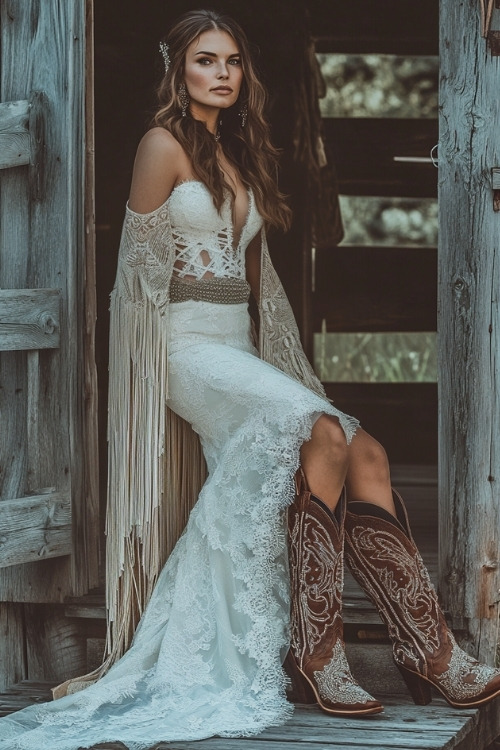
(204, 61)
(235, 61)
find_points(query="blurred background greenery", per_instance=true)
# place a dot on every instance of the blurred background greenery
(378, 85)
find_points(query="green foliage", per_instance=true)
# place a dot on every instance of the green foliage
(375, 357)
(379, 86)
(406, 222)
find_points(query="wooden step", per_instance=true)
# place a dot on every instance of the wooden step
(24, 694)
(402, 726)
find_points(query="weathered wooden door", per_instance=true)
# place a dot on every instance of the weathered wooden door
(469, 322)
(48, 468)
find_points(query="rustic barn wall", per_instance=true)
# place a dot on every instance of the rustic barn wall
(48, 465)
(469, 327)
(44, 366)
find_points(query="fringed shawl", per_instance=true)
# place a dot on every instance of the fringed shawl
(156, 466)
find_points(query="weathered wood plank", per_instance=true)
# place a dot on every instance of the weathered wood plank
(469, 329)
(29, 319)
(12, 653)
(42, 244)
(55, 647)
(86, 513)
(33, 417)
(34, 528)
(15, 141)
(402, 725)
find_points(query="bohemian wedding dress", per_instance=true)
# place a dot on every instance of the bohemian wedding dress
(206, 658)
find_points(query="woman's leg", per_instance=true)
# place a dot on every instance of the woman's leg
(329, 462)
(325, 460)
(368, 476)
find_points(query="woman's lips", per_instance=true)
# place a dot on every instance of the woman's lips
(222, 90)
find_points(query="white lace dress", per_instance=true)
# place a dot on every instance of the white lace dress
(206, 658)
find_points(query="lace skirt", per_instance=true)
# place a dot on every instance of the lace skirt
(206, 658)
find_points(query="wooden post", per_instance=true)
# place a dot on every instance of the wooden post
(469, 329)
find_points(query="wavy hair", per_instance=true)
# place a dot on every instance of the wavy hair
(248, 148)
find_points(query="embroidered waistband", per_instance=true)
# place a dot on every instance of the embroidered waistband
(220, 290)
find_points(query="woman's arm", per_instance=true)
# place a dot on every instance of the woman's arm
(156, 170)
(253, 264)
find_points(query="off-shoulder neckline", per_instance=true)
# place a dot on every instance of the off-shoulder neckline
(165, 202)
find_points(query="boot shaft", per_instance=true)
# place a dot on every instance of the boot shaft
(316, 552)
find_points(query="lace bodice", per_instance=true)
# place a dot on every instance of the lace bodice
(205, 240)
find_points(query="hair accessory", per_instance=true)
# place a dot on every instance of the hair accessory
(243, 113)
(183, 98)
(166, 56)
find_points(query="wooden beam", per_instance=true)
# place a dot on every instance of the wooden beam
(469, 330)
(87, 522)
(400, 27)
(15, 142)
(29, 319)
(35, 528)
(365, 152)
(347, 298)
(13, 667)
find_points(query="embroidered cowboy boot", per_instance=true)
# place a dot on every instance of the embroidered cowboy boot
(316, 661)
(385, 561)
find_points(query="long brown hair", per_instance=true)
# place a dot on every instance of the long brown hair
(248, 148)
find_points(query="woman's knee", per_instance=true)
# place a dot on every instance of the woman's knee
(329, 433)
(368, 452)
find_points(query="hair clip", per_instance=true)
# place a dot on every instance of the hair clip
(166, 56)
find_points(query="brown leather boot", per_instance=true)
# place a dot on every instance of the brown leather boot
(316, 661)
(385, 561)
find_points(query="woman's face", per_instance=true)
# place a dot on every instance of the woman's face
(212, 72)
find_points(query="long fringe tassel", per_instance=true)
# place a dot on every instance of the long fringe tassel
(156, 470)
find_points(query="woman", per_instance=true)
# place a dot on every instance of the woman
(206, 657)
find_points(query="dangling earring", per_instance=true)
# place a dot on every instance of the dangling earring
(183, 98)
(243, 113)
(218, 132)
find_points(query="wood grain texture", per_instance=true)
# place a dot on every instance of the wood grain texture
(89, 509)
(15, 142)
(34, 528)
(42, 245)
(469, 329)
(55, 647)
(29, 319)
(402, 725)
(12, 653)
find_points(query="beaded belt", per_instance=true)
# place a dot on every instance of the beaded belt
(221, 290)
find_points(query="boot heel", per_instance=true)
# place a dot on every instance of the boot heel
(300, 691)
(419, 688)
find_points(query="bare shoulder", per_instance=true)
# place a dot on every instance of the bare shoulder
(160, 143)
(158, 163)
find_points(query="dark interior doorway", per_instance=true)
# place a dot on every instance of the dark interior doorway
(128, 66)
